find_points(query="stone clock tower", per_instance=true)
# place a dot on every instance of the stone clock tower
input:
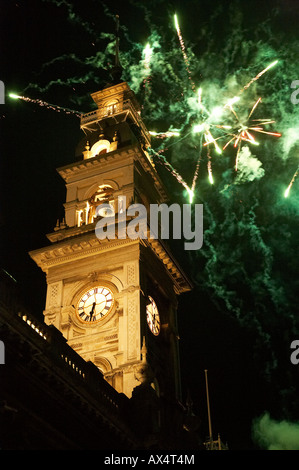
(114, 300)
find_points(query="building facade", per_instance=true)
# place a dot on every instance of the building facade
(106, 359)
(114, 299)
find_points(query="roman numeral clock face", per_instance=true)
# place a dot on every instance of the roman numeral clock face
(153, 317)
(95, 304)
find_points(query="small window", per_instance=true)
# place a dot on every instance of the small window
(111, 109)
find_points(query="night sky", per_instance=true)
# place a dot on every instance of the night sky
(242, 315)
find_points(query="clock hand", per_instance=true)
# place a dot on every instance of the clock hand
(99, 303)
(92, 310)
(94, 306)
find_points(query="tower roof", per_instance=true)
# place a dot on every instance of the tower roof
(116, 71)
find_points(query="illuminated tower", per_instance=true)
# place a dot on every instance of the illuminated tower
(114, 300)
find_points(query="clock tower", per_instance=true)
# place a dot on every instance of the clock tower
(114, 299)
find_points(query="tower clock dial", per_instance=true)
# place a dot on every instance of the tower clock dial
(153, 317)
(95, 304)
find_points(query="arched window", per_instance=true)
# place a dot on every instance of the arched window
(87, 214)
(104, 195)
(111, 107)
(100, 147)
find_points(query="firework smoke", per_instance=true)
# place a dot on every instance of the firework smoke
(271, 434)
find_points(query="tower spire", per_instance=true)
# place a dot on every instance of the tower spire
(117, 62)
(116, 70)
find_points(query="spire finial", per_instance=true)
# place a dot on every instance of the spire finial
(116, 71)
(117, 62)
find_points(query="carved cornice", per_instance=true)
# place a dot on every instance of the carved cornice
(69, 172)
(75, 248)
(117, 89)
(78, 169)
(179, 278)
(88, 244)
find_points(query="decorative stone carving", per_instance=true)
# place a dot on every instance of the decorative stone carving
(142, 371)
(132, 324)
(93, 277)
(54, 298)
(131, 276)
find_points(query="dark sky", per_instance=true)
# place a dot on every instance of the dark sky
(242, 315)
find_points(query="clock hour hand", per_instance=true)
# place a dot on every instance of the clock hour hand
(92, 310)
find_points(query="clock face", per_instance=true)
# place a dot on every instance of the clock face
(95, 304)
(153, 317)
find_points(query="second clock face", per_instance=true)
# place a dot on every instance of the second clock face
(94, 304)
(153, 317)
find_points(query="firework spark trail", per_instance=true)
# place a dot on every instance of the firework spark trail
(204, 128)
(197, 168)
(287, 191)
(164, 135)
(170, 168)
(196, 173)
(208, 140)
(237, 156)
(253, 107)
(199, 159)
(210, 168)
(44, 104)
(147, 54)
(182, 44)
(258, 76)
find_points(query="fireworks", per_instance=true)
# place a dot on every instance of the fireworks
(182, 44)
(259, 75)
(213, 125)
(211, 179)
(238, 132)
(243, 129)
(42, 103)
(204, 128)
(190, 194)
(287, 191)
(147, 55)
(170, 168)
(163, 135)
